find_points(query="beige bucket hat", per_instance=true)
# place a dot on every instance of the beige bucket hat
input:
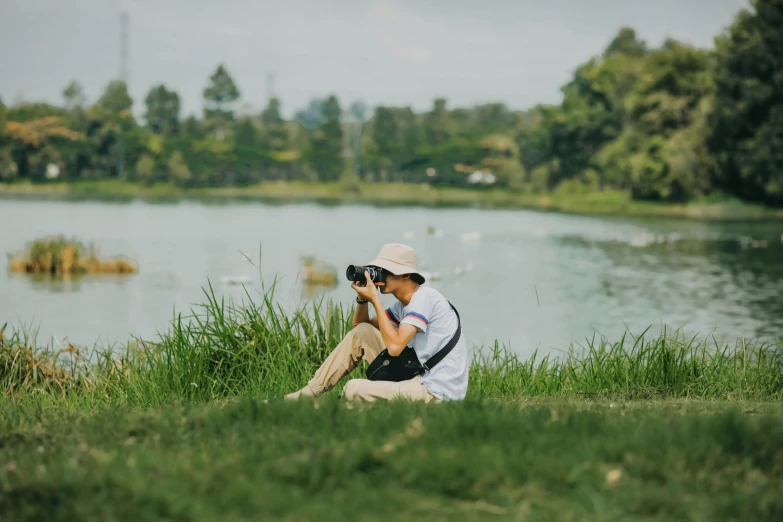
(398, 259)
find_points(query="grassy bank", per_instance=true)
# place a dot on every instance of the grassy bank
(225, 350)
(608, 203)
(657, 427)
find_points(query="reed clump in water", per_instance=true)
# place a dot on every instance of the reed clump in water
(58, 255)
(318, 273)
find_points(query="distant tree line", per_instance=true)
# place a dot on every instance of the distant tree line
(671, 123)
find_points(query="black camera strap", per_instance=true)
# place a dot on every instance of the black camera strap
(443, 352)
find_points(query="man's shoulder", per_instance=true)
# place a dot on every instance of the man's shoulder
(427, 292)
(431, 291)
(432, 296)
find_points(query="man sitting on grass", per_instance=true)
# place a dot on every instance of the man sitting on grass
(421, 318)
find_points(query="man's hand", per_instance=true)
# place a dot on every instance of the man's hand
(395, 339)
(367, 291)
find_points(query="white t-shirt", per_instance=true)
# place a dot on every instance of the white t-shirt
(431, 313)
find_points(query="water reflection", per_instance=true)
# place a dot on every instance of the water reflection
(719, 273)
(69, 283)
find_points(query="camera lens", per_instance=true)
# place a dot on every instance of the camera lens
(355, 273)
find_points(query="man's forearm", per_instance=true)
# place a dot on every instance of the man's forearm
(388, 332)
(361, 315)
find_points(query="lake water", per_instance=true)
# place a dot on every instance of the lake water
(530, 280)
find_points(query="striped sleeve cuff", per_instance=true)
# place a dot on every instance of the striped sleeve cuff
(416, 320)
(391, 316)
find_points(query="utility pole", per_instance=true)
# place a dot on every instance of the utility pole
(358, 112)
(124, 22)
(270, 85)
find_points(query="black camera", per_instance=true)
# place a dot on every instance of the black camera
(355, 273)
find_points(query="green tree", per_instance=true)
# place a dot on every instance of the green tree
(675, 79)
(617, 117)
(410, 126)
(358, 110)
(115, 97)
(532, 138)
(145, 170)
(113, 125)
(193, 128)
(626, 43)
(38, 135)
(312, 116)
(590, 116)
(162, 113)
(387, 137)
(180, 173)
(539, 177)
(350, 182)
(3, 118)
(271, 113)
(249, 159)
(73, 96)
(246, 134)
(511, 173)
(691, 166)
(393, 143)
(438, 124)
(357, 115)
(327, 143)
(490, 118)
(77, 155)
(747, 121)
(8, 168)
(220, 94)
(594, 111)
(275, 134)
(666, 141)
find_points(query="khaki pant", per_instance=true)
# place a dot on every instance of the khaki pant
(363, 342)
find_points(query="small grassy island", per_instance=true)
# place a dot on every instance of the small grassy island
(58, 255)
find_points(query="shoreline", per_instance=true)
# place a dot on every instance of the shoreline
(395, 194)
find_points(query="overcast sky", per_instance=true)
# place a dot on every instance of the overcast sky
(395, 52)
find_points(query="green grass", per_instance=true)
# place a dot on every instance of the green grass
(404, 194)
(222, 349)
(477, 460)
(656, 427)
